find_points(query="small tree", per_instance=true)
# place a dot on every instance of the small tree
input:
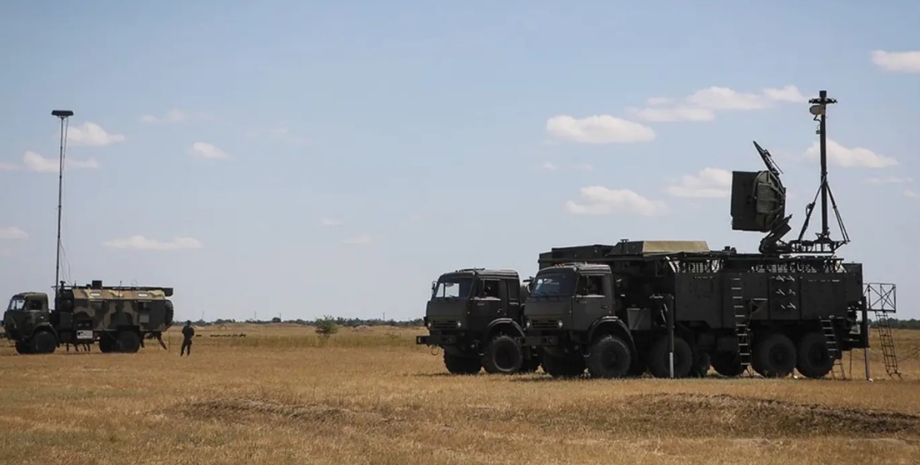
(326, 326)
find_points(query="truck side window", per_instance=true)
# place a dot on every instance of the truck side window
(593, 285)
(490, 288)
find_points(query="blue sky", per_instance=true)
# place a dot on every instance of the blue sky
(305, 158)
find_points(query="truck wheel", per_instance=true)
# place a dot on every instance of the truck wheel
(774, 356)
(659, 358)
(43, 343)
(503, 356)
(814, 358)
(128, 342)
(700, 365)
(22, 348)
(461, 365)
(727, 364)
(609, 358)
(563, 367)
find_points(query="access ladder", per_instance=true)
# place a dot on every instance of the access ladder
(741, 322)
(833, 350)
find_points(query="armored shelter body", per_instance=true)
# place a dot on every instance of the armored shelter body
(118, 317)
(474, 315)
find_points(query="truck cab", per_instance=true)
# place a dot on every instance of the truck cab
(572, 315)
(27, 321)
(474, 315)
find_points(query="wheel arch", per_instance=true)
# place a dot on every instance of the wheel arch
(614, 327)
(506, 325)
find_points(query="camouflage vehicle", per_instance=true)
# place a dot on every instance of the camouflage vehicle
(115, 316)
(474, 315)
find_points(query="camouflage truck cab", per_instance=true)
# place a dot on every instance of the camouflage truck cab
(474, 315)
(117, 317)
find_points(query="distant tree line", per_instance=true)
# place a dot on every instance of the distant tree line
(899, 324)
(339, 321)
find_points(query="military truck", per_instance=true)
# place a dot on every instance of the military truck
(614, 310)
(117, 317)
(474, 316)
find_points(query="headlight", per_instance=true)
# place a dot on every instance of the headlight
(459, 324)
(559, 324)
(527, 324)
(429, 325)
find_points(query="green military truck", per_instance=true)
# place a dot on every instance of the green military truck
(117, 317)
(474, 315)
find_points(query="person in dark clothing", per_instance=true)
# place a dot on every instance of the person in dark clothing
(187, 334)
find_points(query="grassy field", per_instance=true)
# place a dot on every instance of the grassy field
(281, 395)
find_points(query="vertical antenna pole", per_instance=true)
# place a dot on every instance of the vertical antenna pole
(63, 115)
(819, 109)
(823, 129)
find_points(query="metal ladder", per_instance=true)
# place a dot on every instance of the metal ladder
(833, 350)
(741, 323)
(883, 326)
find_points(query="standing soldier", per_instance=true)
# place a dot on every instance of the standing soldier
(187, 334)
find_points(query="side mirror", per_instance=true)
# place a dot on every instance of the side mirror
(434, 286)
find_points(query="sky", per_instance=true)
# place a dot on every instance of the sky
(301, 159)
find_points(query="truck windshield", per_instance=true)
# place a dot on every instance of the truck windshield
(16, 304)
(553, 284)
(453, 287)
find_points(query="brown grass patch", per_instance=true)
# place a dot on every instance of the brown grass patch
(283, 395)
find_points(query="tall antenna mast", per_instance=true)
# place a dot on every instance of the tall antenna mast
(63, 115)
(823, 243)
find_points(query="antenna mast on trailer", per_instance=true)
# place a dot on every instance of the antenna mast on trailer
(63, 115)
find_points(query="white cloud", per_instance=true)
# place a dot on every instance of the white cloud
(209, 151)
(910, 194)
(848, 158)
(91, 135)
(598, 129)
(548, 166)
(584, 166)
(901, 62)
(171, 116)
(703, 104)
(786, 94)
(598, 200)
(365, 239)
(13, 232)
(143, 243)
(679, 113)
(708, 183)
(38, 163)
(889, 180)
(8, 167)
(330, 222)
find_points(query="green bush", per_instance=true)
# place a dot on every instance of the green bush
(326, 326)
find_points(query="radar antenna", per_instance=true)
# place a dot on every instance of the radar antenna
(759, 200)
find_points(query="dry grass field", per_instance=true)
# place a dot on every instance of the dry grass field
(281, 395)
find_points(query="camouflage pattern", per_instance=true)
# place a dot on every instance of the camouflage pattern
(117, 317)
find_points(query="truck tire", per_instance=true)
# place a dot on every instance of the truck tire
(727, 364)
(774, 356)
(128, 342)
(659, 358)
(563, 367)
(609, 358)
(22, 348)
(814, 358)
(458, 365)
(503, 356)
(43, 342)
(701, 364)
